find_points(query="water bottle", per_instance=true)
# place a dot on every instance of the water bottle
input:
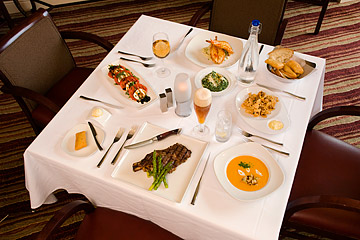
(249, 60)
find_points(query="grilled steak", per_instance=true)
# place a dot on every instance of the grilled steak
(177, 153)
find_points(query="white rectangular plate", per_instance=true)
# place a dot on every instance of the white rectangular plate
(178, 180)
(119, 93)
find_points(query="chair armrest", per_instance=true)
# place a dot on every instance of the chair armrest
(88, 37)
(321, 201)
(200, 13)
(62, 215)
(333, 112)
(32, 95)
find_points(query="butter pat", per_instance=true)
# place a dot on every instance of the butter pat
(100, 115)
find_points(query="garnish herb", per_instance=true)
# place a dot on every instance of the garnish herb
(244, 164)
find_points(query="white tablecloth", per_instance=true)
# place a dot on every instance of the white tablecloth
(216, 215)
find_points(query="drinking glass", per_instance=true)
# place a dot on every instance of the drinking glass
(223, 126)
(202, 104)
(161, 49)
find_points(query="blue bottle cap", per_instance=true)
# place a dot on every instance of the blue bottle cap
(255, 22)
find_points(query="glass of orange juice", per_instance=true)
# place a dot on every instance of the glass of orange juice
(161, 49)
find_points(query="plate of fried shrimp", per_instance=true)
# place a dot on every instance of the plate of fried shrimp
(209, 49)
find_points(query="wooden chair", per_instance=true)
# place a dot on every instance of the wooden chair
(5, 15)
(104, 223)
(324, 4)
(325, 196)
(38, 69)
(233, 17)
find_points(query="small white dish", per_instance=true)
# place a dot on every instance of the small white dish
(118, 93)
(261, 124)
(194, 50)
(100, 115)
(68, 143)
(276, 175)
(228, 75)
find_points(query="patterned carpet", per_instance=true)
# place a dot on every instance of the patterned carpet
(338, 42)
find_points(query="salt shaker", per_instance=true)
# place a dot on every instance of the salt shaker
(249, 60)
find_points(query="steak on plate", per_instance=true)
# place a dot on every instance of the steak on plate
(177, 153)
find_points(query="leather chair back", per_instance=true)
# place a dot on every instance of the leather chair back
(233, 17)
(34, 55)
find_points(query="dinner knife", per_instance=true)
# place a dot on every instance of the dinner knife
(276, 89)
(183, 39)
(94, 133)
(154, 139)
(198, 185)
(96, 100)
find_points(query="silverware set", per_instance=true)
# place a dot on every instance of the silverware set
(246, 134)
(132, 54)
(273, 149)
(116, 139)
(129, 136)
(148, 65)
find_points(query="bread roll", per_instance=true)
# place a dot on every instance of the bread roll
(295, 66)
(274, 63)
(80, 140)
(281, 54)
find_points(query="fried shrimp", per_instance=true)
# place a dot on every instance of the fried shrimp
(219, 50)
(217, 54)
(221, 44)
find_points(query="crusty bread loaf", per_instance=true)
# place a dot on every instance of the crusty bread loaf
(281, 54)
(80, 140)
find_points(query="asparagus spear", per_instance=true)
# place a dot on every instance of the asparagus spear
(161, 176)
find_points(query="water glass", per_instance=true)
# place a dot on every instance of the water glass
(223, 127)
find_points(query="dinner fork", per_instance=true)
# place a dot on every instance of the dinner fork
(132, 54)
(273, 149)
(117, 138)
(129, 135)
(145, 64)
(246, 134)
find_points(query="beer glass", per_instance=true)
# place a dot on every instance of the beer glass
(202, 104)
(161, 49)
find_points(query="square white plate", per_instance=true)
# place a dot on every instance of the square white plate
(276, 175)
(178, 180)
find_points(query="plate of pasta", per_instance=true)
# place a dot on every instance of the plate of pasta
(262, 109)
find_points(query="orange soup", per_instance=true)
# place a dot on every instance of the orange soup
(247, 173)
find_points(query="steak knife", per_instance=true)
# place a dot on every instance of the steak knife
(154, 139)
(94, 133)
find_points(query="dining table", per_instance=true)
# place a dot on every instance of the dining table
(216, 214)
